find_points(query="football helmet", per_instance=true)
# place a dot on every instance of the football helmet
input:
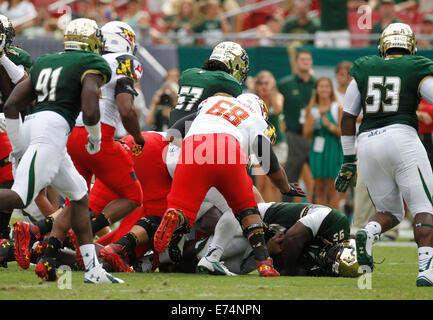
(397, 35)
(7, 28)
(83, 34)
(341, 259)
(255, 102)
(119, 37)
(234, 57)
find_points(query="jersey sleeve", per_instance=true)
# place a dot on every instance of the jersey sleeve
(20, 57)
(424, 70)
(128, 66)
(95, 64)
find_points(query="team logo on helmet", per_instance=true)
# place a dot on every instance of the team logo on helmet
(127, 35)
(397, 35)
(83, 34)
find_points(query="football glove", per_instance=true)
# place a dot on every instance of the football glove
(2, 123)
(137, 149)
(295, 191)
(347, 174)
(93, 146)
(123, 144)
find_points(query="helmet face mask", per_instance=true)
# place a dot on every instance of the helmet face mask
(83, 35)
(397, 35)
(341, 259)
(7, 28)
(234, 57)
(119, 37)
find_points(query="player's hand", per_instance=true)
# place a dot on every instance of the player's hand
(346, 176)
(137, 149)
(93, 146)
(2, 123)
(123, 144)
(295, 191)
(2, 43)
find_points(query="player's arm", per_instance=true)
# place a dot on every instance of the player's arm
(90, 108)
(125, 93)
(292, 246)
(351, 110)
(22, 95)
(268, 160)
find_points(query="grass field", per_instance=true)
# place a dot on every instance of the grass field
(393, 279)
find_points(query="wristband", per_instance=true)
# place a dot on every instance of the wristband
(94, 131)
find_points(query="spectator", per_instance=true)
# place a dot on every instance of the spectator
(184, 20)
(426, 30)
(425, 6)
(266, 88)
(45, 25)
(84, 9)
(105, 12)
(268, 30)
(342, 75)
(387, 11)
(138, 19)
(297, 90)
(163, 101)
(334, 27)
(213, 24)
(300, 22)
(22, 13)
(322, 117)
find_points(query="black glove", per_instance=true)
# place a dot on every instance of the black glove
(295, 191)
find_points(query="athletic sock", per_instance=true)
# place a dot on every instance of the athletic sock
(5, 218)
(99, 222)
(129, 241)
(257, 242)
(53, 247)
(425, 255)
(88, 253)
(44, 225)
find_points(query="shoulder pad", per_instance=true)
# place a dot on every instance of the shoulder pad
(129, 66)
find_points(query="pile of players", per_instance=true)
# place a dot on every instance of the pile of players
(184, 197)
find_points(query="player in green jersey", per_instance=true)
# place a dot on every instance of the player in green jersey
(62, 84)
(225, 71)
(392, 159)
(14, 63)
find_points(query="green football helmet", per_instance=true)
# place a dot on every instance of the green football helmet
(234, 57)
(397, 35)
(83, 34)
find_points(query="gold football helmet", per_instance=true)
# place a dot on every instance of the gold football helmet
(344, 259)
(7, 28)
(397, 35)
(234, 57)
(83, 34)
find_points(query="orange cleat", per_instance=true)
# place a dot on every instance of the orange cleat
(25, 236)
(46, 269)
(115, 255)
(266, 268)
(173, 221)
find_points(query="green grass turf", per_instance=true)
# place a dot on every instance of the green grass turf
(393, 279)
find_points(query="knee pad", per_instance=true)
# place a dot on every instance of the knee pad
(150, 224)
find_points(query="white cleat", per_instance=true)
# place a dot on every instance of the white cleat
(425, 278)
(215, 268)
(98, 275)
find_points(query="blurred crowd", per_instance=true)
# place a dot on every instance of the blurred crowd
(323, 23)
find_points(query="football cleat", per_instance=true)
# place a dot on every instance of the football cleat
(78, 256)
(364, 244)
(213, 267)
(266, 268)
(115, 255)
(38, 250)
(98, 275)
(5, 248)
(425, 277)
(173, 221)
(46, 269)
(25, 236)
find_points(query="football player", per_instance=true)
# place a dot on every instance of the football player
(214, 153)
(392, 159)
(117, 105)
(63, 84)
(224, 71)
(15, 64)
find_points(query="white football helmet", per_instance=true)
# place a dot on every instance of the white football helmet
(255, 102)
(119, 37)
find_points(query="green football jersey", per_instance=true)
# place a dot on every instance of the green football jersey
(19, 57)
(390, 89)
(333, 229)
(196, 84)
(57, 80)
